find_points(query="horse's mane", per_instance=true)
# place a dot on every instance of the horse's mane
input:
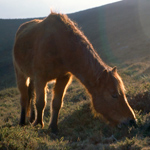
(73, 28)
(120, 86)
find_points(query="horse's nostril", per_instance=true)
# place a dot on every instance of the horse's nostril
(132, 123)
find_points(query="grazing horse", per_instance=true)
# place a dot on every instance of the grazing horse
(55, 49)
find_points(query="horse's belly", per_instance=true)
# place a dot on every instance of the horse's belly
(48, 68)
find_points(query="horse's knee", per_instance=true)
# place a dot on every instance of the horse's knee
(23, 89)
(41, 100)
(40, 89)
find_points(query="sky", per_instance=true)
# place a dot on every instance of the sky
(41, 8)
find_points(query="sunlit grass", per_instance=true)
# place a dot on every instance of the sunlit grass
(78, 128)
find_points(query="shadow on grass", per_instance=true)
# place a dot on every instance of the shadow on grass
(140, 101)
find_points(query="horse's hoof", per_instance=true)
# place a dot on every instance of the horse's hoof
(22, 124)
(31, 120)
(35, 123)
(54, 130)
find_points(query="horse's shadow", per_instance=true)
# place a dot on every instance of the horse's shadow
(79, 123)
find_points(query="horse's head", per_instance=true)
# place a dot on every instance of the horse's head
(110, 100)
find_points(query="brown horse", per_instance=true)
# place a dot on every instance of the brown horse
(55, 49)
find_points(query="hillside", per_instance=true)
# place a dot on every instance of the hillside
(119, 32)
(8, 30)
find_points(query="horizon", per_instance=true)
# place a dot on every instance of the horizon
(15, 9)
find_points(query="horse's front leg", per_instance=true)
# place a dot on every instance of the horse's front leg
(40, 89)
(58, 92)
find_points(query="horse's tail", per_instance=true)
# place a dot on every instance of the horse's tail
(31, 107)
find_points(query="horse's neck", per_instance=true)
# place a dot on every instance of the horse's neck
(89, 69)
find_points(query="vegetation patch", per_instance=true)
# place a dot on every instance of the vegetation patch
(78, 128)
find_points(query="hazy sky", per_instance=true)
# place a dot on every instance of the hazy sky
(41, 8)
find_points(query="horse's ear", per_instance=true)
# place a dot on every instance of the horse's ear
(105, 73)
(114, 70)
(103, 76)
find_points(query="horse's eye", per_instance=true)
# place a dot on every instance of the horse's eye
(115, 96)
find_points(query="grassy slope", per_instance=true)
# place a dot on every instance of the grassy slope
(117, 34)
(78, 127)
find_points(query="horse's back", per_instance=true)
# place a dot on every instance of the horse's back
(27, 27)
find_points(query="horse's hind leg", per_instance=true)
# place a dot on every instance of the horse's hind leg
(40, 89)
(58, 92)
(24, 99)
(31, 94)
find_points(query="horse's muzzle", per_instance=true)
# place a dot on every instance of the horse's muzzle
(133, 123)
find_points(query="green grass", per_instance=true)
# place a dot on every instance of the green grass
(78, 128)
